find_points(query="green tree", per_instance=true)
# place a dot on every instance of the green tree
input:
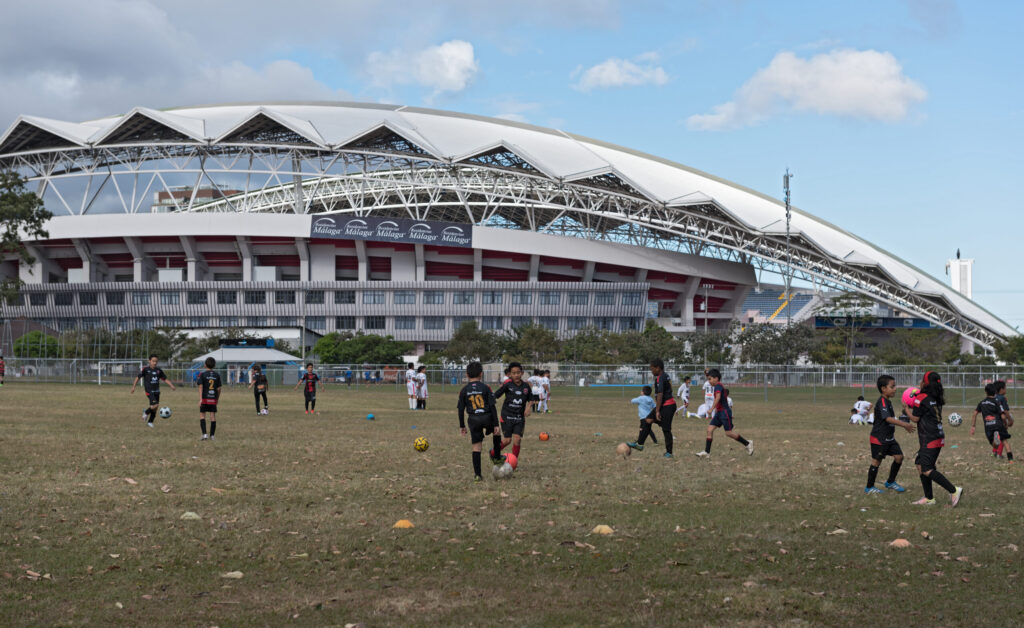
(713, 347)
(36, 344)
(855, 312)
(360, 348)
(470, 343)
(22, 217)
(917, 346)
(765, 343)
(655, 342)
(589, 346)
(828, 350)
(533, 344)
(1010, 350)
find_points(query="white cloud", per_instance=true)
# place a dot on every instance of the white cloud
(449, 67)
(851, 83)
(614, 72)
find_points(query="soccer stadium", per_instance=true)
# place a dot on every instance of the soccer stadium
(320, 217)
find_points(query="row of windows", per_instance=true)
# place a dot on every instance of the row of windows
(341, 297)
(342, 323)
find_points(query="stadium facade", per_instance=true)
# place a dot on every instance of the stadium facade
(407, 221)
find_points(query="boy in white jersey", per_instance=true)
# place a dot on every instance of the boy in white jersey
(709, 397)
(860, 412)
(421, 388)
(410, 385)
(545, 391)
(684, 398)
(535, 388)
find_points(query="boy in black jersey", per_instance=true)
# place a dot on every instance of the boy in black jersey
(209, 394)
(151, 376)
(1006, 416)
(308, 382)
(477, 398)
(721, 416)
(992, 413)
(514, 411)
(883, 439)
(927, 413)
(260, 384)
(664, 409)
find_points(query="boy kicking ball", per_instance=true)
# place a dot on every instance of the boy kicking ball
(721, 417)
(477, 398)
(883, 437)
(927, 414)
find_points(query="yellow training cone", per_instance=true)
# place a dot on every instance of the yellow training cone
(403, 523)
(602, 529)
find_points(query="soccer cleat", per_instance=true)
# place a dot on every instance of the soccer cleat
(499, 459)
(213, 438)
(871, 490)
(702, 454)
(668, 455)
(892, 486)
(636, 446)
(956, 495)
(478, 479)
(205, 437)
(924, 501)
(149, 423)
(750, 448)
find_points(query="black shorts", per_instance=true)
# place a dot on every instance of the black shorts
(154, 397)
(310, 396)
(888, 448)
(208, 407)
(998, 428)
(927, 457)
(513, 426)
(723, 420)
(478, 426)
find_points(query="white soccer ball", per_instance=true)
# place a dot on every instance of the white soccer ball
(955, 419)
(502, 471)
(165, 412)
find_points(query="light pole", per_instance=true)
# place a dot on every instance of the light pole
(789, 252)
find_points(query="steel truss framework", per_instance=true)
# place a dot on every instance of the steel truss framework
(390, 177)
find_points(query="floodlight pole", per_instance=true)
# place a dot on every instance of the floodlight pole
(789, 252)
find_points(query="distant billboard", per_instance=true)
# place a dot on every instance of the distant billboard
(347, 227)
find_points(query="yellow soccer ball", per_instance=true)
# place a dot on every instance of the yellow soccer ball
(420, 444)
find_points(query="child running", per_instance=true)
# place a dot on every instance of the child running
(664, 409)
(721, 416)
(684, 395)
(518, 396)
(883, 437)
(1006, 416)
(209, 393)
(991, 411)
(477, 398)
(151, 376)
(308, 382)
(709, 396)
(645, 405)
(927, 413)
(259, 384)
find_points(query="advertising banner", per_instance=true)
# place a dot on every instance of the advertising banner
(348, 227)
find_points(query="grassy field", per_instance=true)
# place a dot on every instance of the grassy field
(91, 529)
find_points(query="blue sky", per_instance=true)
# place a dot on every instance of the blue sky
(902, 119)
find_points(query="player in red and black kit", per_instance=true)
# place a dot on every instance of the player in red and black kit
(308, 382)
(927, 413)
(721, 415)
(991, 411)
(883, 437)
(151, 376)
(3, 369)
(664, 409)
(477, 399)
(209, 393)
(514, 411)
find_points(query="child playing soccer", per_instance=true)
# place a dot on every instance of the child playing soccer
(260, 385)
(3, 369)
(209, 393)
(477, 398)
(421, 388)
(308, 382)
(927, 413)
(1007, 417)
(151, 376)
(514, 410)
(859, 414)
(645, 405)
(709, 396)
(664, 409)
(992, 414)
(721, 416)
(883, 439)
(410, 385)
(684, 395)
(545, 392)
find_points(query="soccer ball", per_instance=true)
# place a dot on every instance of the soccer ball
(502, 471)
(420, 444)
(370, 417)
(165, 412)
(955, 419)
(544, 436)
(909, 397)
(512, 461)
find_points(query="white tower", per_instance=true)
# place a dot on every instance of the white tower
(960, 272)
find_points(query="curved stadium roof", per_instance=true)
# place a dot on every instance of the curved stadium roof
(542, 179)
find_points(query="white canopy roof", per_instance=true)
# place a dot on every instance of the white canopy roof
(234, 355)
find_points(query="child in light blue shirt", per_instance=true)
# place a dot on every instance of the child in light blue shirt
(645, 405)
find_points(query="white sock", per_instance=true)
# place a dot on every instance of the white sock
(412, 403)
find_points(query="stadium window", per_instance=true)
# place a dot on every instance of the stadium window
(463, 297)
(631, 298)
(345, 322)
(548, 322)
(550, 298)
(521, 321)
(405, 322)
(286, 321)
(579, 298)
(115, 298)
(226, 297)
(491, 323)
(284, 297)
(37, 298)
(405, 297)
(433, 322)
(227, 276)
(604, 323)
(170, 298)
(459, 320)
(199, 321)
(172, 321)
(373, 322)
(141, 298)
(345, 297)
(490, 297)
(64, 298)
(576, 323)
(522, 298)
(315, 297)
(629, 324)
(16, 300)
(255, 297)
(373, 297)
(124, 278)
(228, 321)
(143, 323)
(289, 277)
(194, 297)
(316, 323)
(433, 297)
(257, 321)
(90, 323)
(604, 298)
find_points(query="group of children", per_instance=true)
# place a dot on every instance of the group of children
(540, 387)
(505, 428)
(416, 386)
